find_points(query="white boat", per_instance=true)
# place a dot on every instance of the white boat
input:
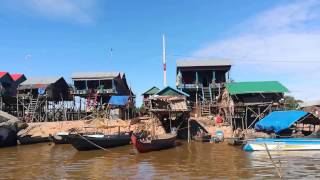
(283, 144)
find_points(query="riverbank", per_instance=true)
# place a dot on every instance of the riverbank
(101, 125)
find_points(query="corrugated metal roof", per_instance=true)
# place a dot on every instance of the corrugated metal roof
(3, 74)
(15, 77)
(152, 91)
(95, 75)
(255, 87)
(198, 63)
(170, 91)
(310, 103)
(41, 80)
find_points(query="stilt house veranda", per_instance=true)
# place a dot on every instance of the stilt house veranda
(204, 81)
(98, 87)
(242, 104)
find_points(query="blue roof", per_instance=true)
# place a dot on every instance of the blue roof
(279, 120)
(118, 100)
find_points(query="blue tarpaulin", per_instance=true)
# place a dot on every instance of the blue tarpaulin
(279, 120)
(118, 100)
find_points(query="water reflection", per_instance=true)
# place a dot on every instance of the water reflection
(188, 161)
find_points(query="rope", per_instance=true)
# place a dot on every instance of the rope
(273, 163)
(94, 144)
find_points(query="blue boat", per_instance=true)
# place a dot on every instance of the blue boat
(286, 122)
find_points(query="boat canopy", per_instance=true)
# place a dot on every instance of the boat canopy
(118, 100)
(280, 120)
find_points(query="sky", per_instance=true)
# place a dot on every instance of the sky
(265, 40)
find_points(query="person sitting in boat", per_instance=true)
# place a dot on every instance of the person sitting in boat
(143, 135)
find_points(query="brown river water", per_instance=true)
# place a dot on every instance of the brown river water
(187, 161)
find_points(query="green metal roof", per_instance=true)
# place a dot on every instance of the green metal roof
(255, 87)
(152, 91)
(169, 91)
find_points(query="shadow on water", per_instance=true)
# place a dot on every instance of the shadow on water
(186, 161)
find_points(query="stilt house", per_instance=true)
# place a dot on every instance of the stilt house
(38, 98)
(204, 81)
(146, 95)
(8, 91)
(242, 104)
(98, 87)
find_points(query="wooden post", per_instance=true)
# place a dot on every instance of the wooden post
(17, 105)
(246, 118)
(188, 130)
(46, 111)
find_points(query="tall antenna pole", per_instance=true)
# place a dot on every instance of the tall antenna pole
(164, 61)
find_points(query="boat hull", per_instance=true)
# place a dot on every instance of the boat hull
(7, 137)
(204, 138)
(154, 145)
(61, 139)
(25, 140)
(86, 143)
(286, 144)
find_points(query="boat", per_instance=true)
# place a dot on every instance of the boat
(9, 127)
(28, 139)
(8, 137)
(98, 141)
(61, 138)
(283, 144)
(289, 131)
(202, 138)
(145, 144)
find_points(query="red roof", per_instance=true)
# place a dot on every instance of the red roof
(3, 74)
(15, 77)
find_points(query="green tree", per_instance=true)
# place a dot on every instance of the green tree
(291, 103)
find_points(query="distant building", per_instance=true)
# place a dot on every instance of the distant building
(146, 95)
(169, 100)
(8, 90)
(204, 81)
(311, 107)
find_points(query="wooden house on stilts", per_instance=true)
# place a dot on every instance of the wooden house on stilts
(242, 104)
(42, 99)
(95, 89)
(204, 81)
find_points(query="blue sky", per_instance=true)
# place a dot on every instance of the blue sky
(265, 40)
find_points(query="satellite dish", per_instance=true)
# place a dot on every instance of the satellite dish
(41, 91)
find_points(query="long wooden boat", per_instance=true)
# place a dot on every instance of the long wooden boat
(61, 138)
(28, 139)
(144, 145)
(283, 144)
(8, 137)
(96, 141)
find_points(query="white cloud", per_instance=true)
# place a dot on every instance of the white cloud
(282, 43)
(79, 11)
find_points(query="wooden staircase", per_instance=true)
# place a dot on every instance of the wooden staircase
(205, 109)
(206, 93)
(207, 100)
(32, 108)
